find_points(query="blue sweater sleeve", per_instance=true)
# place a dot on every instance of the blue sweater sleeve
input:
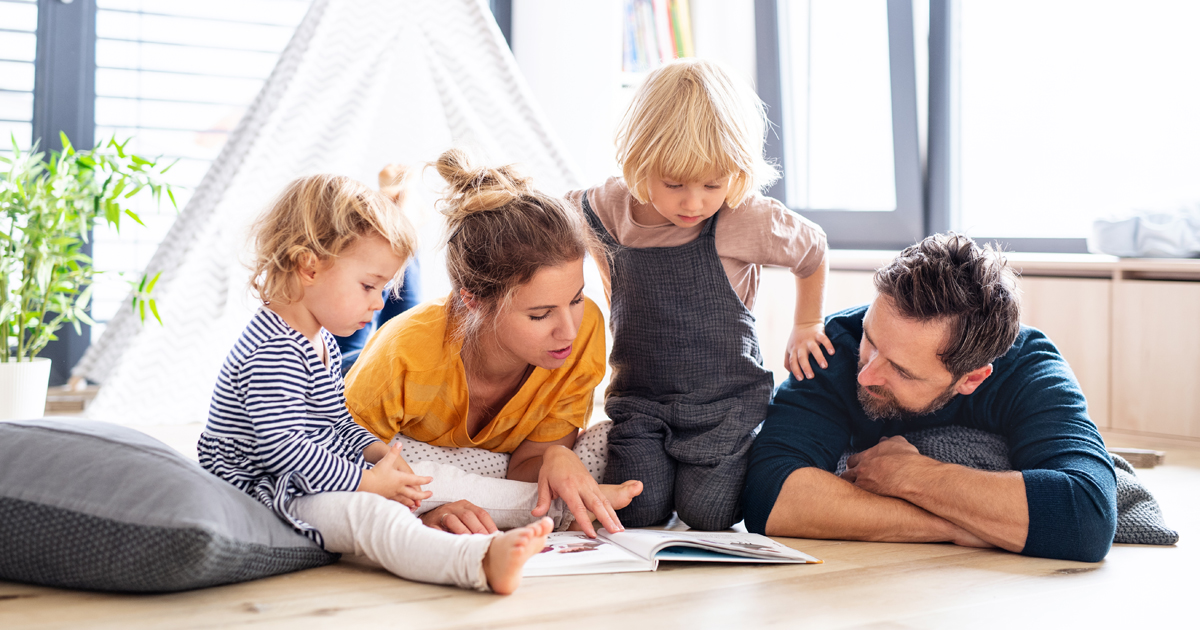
(1070, 484)
(805, 427)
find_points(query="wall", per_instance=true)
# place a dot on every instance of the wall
(570, 53)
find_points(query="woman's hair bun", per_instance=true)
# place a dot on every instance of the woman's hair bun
(477, 188)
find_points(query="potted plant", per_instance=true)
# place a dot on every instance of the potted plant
(47, 210)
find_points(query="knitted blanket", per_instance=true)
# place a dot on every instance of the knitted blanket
(1139, 520)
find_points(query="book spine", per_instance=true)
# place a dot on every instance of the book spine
(662, 26)
(684, 19)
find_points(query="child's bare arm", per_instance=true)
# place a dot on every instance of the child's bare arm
(375, 451)
(392, 478)
(808, 329)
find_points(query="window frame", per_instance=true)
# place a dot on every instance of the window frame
(855, 229)
(64, 99)
(926, 192)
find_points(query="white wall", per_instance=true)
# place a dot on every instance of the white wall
(570, 53)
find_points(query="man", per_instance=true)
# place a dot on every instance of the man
(941, 345)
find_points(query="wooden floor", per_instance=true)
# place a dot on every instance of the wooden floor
(860, 585)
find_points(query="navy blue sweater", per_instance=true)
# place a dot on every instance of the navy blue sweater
(1031, 398)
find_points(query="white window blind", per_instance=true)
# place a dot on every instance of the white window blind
(18, 47)
(176, 77)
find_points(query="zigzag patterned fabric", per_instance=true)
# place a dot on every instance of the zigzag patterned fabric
(361, 84)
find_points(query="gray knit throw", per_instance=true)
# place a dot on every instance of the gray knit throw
(1139, 521)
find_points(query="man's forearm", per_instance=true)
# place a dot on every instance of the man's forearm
(991, 505)
(816, 504)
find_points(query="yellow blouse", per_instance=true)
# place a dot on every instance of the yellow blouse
(410, 379)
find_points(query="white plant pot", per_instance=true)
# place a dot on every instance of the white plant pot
(23, 386)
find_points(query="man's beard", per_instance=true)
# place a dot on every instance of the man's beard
(886, 407)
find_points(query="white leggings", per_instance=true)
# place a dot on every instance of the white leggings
(366, 524)
(477, 475)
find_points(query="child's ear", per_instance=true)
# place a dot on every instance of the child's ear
(307, 267)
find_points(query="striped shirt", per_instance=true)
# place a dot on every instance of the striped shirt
(278, 427)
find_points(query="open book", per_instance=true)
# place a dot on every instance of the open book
(573, 553)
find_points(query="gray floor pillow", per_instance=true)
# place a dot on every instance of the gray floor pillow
(1139, 519)
(96, 506)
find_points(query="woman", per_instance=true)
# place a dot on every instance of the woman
(508, 362)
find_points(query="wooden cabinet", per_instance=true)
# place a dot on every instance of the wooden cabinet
(1075, 313)
(1129, 328)
(1156, 357)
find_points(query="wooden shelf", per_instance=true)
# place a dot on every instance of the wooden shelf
(1040, 264)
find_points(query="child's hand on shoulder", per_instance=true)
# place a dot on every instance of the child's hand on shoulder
(806, 338)
(392, 478)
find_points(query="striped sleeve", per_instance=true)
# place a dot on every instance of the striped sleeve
(275, 384)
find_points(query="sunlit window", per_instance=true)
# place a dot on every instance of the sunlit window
(176, 76)
(1074, 109)
(837, 105)
(18, 47)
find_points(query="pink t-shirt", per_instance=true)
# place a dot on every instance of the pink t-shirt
(761, 231)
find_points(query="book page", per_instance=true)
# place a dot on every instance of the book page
(573, 553)
(646, 543)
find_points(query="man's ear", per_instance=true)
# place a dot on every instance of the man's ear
(972, 380)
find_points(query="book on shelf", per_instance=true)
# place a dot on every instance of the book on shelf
(656, 31)
(573, 553)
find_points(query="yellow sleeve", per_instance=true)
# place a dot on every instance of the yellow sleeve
(388, 388)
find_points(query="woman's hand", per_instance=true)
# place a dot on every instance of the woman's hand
(460, 517)
(392, 478)
(563, 476)
(806, 339)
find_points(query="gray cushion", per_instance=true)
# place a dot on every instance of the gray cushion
(97, 506)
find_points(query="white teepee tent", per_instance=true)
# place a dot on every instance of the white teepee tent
(362, 83)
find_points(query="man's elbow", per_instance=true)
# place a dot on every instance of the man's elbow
(1096, 536)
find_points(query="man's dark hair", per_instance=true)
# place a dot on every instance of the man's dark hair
(948, 276)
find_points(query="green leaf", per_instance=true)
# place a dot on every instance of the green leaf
(67, 148)
(153, 281)
(140, 161)
(142, 311)
(172, 196)
(135, 217)
(154, 309)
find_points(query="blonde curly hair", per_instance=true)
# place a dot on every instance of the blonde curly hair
(313, 221)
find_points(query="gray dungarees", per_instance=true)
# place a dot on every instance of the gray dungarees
(688, 386)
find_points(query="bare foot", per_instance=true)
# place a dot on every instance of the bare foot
(509, 551)
(618, 495)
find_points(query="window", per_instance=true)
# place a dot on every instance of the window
(840, 83)
(1071, 110)
(18, 47)
(176, 76)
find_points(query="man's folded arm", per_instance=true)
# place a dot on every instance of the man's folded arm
(1070, 483)
(790, 491)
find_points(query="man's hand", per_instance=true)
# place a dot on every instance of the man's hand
(884, 468)
(460, 517)
(392, 478)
